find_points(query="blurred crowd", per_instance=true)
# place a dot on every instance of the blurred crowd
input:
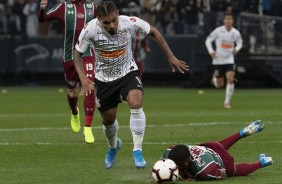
(169, 16)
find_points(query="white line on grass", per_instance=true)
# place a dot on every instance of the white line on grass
(126, 126)
(145, 143)
(123, 126)
(194, 114)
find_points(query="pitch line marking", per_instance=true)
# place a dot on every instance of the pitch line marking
(145, 143)
(193, 114)
(127, 126)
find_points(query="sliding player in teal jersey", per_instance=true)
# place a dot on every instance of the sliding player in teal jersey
(211, 160)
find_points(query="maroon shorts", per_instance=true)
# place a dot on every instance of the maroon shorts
(227, 159)
(71, 76)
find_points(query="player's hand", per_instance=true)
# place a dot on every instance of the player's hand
(223, 174)
(181, 66)
(43, 4)
(147, 49)
(87, 86)
(235, 52)
(213, 55)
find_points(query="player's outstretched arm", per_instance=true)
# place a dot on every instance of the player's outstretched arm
(41, 13)
(174, 63)
(86, 84)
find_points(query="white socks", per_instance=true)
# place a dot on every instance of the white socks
(111, 133)
(137, 127)
(229, 93)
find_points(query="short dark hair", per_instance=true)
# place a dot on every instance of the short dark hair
(228, 13)
(180, 154)
(105, 8)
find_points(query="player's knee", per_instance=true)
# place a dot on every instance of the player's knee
(73, 92)
(230, 81)
(135, 105)
(108, 121)
(108, 118)
(220, 84)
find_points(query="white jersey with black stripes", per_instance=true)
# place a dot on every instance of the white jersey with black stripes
(113, 53)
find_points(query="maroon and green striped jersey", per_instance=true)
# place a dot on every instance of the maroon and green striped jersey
(205, 163)
(72, 16)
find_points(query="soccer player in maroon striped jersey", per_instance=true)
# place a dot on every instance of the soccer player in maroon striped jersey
(73, 15)
(211, 160)
(140, 47)
(140, 43)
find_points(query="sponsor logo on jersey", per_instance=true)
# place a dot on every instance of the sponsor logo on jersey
(133, 19)
(226, 45)
(90, 13)
(112, 54)
(80, 15)
(88, 75)
(115, 71)
(122, 37)
(89, 5)
(69, 5)
(70, 12)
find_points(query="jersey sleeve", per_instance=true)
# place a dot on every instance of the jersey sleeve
(83, 42)
(55, 13)
(210, 39)
(95, 10)
(139, 25)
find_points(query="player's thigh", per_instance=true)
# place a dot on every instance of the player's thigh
(230, 76)
(220, 81)
(226, 157)
(132, 89)
(107, 95)
(218, 71)
(88, 64)
(230, 73)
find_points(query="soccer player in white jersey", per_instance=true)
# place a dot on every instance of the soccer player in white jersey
(225, 38)
(116, 73)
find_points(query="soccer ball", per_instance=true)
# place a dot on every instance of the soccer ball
(165, 170)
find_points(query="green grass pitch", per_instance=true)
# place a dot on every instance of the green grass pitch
(37, 144)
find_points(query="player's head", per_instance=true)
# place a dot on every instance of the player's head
(228, 20)
(180, 154)
(107, 14)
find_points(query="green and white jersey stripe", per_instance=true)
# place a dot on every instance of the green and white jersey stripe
(74, 22)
